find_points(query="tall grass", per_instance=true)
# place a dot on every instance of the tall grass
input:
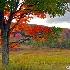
(46, 59)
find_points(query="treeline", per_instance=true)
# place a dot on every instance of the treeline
(55, 38)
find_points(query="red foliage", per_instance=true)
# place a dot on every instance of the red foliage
(39, 14)
(36, 29)
(11, 34)
(6, 16)
(14, 46)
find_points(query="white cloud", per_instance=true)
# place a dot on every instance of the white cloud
(37, 21)
(63, 21)
(14, 21)
(61, 25)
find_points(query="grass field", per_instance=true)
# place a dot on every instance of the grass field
(41, 59)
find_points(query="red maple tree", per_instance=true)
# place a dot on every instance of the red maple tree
(22, 25)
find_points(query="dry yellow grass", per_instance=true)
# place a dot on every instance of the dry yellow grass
(41, 59)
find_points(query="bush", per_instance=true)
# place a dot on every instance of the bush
(51, 44)
(36, 44)
(65, 43)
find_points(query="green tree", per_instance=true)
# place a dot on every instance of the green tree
(52, 7)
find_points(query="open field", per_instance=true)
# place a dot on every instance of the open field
(41, 59)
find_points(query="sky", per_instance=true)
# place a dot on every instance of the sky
(62, 21)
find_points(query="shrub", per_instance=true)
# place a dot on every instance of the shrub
(65, 43)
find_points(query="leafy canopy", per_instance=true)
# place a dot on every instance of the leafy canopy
(53, 7)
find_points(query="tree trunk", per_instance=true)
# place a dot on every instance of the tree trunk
(5, 48)
(5, 41)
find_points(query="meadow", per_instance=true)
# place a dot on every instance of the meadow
(38, 59)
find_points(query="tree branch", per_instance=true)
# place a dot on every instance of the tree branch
(30, 5)
(19, 9)
(16, 23)
(12, 13)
